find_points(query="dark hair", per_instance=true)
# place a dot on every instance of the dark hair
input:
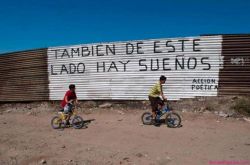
(72, 86)
(163, 78)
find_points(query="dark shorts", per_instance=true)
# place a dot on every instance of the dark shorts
(68, 108)
(155, 101)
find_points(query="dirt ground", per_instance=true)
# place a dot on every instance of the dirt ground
(118, 137)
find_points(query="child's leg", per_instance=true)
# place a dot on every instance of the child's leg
(67, 120)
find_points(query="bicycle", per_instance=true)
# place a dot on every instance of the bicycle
(60, 121)
(172, 119)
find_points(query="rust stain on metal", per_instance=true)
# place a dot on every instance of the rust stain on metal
(235, 75)
(24, 76)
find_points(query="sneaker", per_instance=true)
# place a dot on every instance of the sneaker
(67, 123)
(158, 120)
(156, 123)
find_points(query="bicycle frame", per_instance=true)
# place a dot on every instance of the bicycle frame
(64, 116)
(163, 112)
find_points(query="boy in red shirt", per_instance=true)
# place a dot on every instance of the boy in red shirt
(69, 99)
(70, 96)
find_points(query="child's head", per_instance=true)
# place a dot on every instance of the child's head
(163, 79)
(72, 87)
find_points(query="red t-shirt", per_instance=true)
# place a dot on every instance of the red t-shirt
(71, 95)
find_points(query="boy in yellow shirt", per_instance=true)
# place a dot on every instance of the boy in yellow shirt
(154, 96)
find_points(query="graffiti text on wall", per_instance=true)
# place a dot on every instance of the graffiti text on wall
(173, 57)
(204, 84)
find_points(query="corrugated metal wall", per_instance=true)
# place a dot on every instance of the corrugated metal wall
(24, 76)
(127, 70)
(235, 75)
(208, 65)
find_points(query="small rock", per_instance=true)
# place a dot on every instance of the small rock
(29, 113)
(139, 155)
(246, 119)
(119, 119)
(4, 123)
(105, 105)
(43, 161)
(168, 158)
(70, 160)
(234, 98)
(8, 111)
(222, 114)
(184, 111)
(206, 112)
(241, 119)
(121, 113)
(126, 158)
(141, 124)
(201, 99)
(63, 146)
(231, 114)
(202, 109)
(217, 121)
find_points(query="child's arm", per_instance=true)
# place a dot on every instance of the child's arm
(162, 94)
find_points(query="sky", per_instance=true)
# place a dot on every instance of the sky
(34, 24)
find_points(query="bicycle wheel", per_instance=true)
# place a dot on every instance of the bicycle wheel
(77, 122)
(173, 120)
(147, 118)
(56, 122)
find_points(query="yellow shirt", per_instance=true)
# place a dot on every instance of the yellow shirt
(155, 91)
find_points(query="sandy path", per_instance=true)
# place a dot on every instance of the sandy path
(121, 139)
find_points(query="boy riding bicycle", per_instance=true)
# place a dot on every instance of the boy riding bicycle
(154, 97)
(69, 100)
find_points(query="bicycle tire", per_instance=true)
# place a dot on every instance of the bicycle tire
(171, 119)
(77, 122)
(56, 122)
(147, 118)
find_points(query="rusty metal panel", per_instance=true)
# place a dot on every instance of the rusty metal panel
(24, 76)
(235, 75)
(127, 70)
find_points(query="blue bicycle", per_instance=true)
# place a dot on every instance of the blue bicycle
(172, 119)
